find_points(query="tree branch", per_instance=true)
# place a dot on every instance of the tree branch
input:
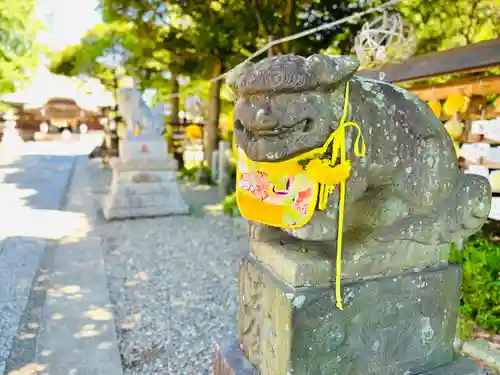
(260, 22)
(289, 10)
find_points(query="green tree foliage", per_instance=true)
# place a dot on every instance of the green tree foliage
(217, 35)
(224, 36)
(19, 53)
(439, 24)
(202, 39)
(281, 18)
(167, 52)
(102, 53)
(445, 24)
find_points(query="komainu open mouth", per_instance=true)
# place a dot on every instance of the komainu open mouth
(302, 126)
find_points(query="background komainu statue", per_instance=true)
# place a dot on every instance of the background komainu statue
(406, 199)
(136, 112)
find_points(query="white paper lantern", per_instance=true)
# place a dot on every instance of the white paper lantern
(386, 38)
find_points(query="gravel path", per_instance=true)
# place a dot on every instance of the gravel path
(173, 286)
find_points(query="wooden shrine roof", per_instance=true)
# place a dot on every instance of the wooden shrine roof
(471, 58)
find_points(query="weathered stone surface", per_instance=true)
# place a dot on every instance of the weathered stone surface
(406, 194)
(293, 265)
(142, 148)
(483, 351)
(461, 366)
(166, 163)
(127, 190)
(310, 263)
(391, 325)
(139, 176)
(230, 360)
(144, 200)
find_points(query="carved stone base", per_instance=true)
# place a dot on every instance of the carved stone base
(166, 163)
(230, 360)
(10, 139)
(144, 199)
(302, 263)
(389, 326)
(144, 181)
(142, 147)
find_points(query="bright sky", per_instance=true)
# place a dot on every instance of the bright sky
(66, 20)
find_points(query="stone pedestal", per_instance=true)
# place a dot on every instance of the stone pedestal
(288, 323)
(144, 181)
(11, 140)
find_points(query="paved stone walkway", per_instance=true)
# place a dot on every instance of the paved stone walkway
(39, 226)
(32, 187)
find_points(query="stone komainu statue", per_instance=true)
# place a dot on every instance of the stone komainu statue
(404, 192)
(137, 113)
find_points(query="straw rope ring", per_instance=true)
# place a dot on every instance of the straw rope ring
(387, 38)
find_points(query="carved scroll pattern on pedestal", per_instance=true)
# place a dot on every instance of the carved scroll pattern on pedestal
(257, 333)
(250, 314)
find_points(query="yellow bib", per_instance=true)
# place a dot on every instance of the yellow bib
(285, 194)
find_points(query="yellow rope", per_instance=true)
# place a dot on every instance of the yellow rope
(328, 175)
(339, 145)
(341, 148)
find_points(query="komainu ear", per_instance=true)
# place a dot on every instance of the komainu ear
(330, 70)
(238, 72)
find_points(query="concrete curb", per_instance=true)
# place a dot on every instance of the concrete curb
(77, 325)
(481, 350)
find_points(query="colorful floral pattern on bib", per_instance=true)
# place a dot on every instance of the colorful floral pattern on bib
(279, 201)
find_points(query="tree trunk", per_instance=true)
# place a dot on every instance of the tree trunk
(174, 89)
(116, 89)
(174, 116)
(212, 126)
(289, 21)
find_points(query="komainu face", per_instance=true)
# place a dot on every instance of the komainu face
(288, 104)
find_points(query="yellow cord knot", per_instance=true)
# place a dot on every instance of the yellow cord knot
(323, 172)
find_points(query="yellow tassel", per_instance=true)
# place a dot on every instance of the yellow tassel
(323, 197)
